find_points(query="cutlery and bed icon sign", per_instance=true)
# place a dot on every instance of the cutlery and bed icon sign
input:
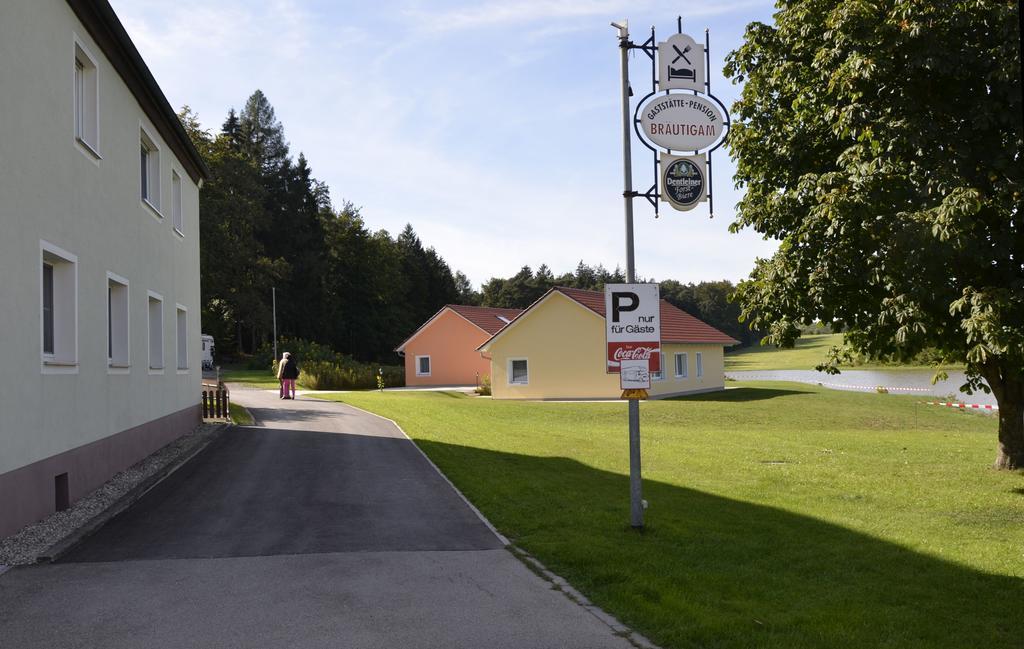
(681, 72)
(681, 63)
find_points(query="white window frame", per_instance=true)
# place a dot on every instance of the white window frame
(176, 216)
(700, 365)
(118, 349)
(659, 376)
(149, 192)
(686, 362)
(430, 365)
(85, 101)
(181, 346)
(64, 358)
(513, 360)
(150, 298)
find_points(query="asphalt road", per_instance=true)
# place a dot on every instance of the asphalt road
(322, 527)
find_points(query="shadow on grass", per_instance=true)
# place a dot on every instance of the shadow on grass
(739, 395)
(709, 571)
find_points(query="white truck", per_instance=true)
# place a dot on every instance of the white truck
(207, 356)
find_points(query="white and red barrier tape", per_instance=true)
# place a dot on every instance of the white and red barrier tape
(983, 406)
(873, 388)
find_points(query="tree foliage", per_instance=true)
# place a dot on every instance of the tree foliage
(709, 301)
(525, 287)
(881, 142)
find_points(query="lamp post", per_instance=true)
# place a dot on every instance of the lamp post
(636, 510)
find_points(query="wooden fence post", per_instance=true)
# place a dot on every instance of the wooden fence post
(216, 404)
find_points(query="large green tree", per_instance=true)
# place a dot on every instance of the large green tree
(880, 142)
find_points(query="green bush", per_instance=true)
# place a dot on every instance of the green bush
(349, 375)
(926, 357)
(484, 389)
(322, 368)
(303, 350)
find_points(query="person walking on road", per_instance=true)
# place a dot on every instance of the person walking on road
(287, 372)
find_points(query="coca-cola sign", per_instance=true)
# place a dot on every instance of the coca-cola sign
(633, 325)
(646, 351)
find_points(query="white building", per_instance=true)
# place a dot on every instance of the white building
(99, 258)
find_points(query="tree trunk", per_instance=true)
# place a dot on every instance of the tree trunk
(1011, 435)
(1008, 388)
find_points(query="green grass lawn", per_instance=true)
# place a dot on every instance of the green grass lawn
(251, 378)
(781, 515)
(240, 415)
(810, 350)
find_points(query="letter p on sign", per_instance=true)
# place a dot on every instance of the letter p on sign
(623, 301)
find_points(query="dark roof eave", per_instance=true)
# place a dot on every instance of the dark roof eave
(106, 29)
(727, 343)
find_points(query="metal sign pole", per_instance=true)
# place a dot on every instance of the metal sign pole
(273, 294)
(636, 511)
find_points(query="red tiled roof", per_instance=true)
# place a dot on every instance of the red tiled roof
(487, 318)
(593, 300)
(677, 326)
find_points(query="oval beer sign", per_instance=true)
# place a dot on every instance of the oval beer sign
(682, 183)
(681, 122)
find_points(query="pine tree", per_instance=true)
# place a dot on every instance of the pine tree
(262, 135)
(231, 128)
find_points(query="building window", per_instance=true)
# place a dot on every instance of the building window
(149, 171)
(176, 203)
(518, 371)
(422, 366)
(659, 376)
(156, 332)
(58, 306)
(700, 365)
(86, 98)
(182, 321)
(48, 309)
(117, 321)
(682, 371)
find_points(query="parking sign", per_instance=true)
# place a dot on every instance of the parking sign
(632, 325)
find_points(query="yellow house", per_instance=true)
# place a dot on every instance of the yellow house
(555, 349)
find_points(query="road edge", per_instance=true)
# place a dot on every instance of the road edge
(483, 519)
(90, 527)
(532, 563)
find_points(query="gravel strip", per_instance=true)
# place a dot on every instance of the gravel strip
(25, 546)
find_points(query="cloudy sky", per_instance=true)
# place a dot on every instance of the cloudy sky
(492, 127)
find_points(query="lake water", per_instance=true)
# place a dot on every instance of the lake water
(913, 382)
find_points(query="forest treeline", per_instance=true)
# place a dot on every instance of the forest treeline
(266, 222)
(708, 301)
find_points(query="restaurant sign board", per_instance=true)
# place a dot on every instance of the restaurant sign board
(681, 122)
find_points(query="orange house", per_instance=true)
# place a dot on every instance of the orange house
(443, 351)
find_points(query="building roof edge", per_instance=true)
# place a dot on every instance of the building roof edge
(102, 23)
